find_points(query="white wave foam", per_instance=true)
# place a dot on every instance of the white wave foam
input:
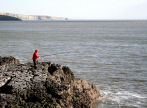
(130, 94)
(126, 98)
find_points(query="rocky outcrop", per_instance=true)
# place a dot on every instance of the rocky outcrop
(32, 17)
(48, 86)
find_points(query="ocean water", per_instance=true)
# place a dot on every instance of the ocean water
(110, 54)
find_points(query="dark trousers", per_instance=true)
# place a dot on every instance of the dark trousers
(35, 64)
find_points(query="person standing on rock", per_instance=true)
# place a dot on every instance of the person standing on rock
(35, 56)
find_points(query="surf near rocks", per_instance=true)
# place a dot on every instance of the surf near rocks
(50, 85)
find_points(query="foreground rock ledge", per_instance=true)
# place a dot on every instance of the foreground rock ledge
(49, 86)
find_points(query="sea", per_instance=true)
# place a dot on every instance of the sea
(110, 54)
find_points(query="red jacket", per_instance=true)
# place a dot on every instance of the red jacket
(35, 55)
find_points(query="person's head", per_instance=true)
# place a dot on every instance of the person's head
(36, 51)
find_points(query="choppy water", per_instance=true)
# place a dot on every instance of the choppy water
(110, 54)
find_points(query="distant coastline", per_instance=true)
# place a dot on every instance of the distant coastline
(19, 17)
(22, 17)
(8, 18)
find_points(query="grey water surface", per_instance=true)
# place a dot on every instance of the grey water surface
(110, 54)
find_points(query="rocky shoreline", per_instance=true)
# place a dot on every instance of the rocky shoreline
(48, 86)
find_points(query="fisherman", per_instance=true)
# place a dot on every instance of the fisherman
(35, 56)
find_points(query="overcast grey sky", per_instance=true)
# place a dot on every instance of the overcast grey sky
(79, 9)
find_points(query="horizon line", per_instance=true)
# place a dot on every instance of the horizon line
(88, 19)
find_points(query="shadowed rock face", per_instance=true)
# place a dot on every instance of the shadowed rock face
(49, 86)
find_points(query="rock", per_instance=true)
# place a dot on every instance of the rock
(48, 86)
(4, 80)
(8, 60)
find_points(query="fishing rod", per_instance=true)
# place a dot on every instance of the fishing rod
(54, 54)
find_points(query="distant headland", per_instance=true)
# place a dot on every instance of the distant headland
(8, 18)
(19, 17)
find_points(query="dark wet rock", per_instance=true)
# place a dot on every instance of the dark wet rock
(48, 86)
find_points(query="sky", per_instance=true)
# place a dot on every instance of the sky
(78, 9)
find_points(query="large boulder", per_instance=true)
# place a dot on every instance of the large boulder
(48, 86)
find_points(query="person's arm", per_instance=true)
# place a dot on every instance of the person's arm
(37, 56)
